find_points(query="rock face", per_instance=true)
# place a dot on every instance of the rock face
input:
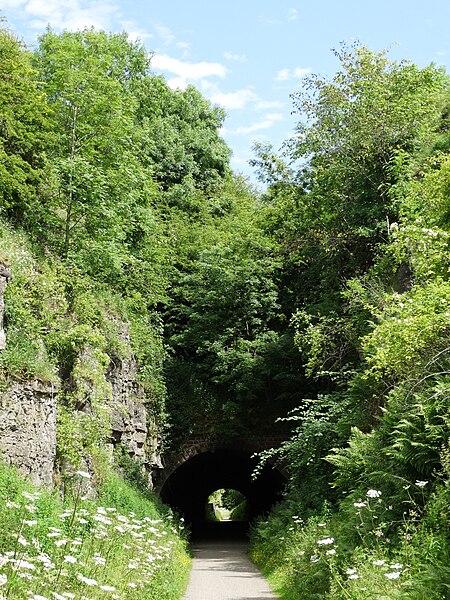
(5, 276)
(27, 418)
(129, 415)
(28, 429)
(28, 415)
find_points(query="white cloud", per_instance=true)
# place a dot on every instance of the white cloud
(241, 58)
(293, 14)
(283, 75)
(266, 104)
(177, 83)
(67, 14)
(237, 100)
(297, 73)
(134, 33)
(266, 123)
(234, 100)
(165, 34)
(269, 21)
(186, 71)
(12, 3)
(169, 39)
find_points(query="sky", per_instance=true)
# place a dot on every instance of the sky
(249, 56)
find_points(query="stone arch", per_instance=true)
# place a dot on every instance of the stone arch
(189, 482)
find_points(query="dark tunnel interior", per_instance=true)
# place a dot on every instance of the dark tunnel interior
(189, 486)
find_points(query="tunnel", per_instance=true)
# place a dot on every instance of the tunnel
(187, 489)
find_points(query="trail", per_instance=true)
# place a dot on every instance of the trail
(222, 571)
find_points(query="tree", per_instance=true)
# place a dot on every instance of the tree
(181, 140)
(102, 192)
(24, 131)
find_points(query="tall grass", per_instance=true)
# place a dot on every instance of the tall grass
(356, 553)
(121, 546)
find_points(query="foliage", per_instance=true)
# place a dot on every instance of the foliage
(82, 546)
(326, 294)
(24, 130)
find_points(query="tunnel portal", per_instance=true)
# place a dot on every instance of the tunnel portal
(187, 489)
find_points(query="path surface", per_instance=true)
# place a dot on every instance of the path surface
(222, 571)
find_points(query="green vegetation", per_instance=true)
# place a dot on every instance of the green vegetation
(226, 504)
(319, 306)
(366, 512)
(121, 544)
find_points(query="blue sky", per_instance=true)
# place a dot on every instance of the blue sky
(249, 56)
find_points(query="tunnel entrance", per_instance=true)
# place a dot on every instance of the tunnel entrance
(226, 505)
(189, 487)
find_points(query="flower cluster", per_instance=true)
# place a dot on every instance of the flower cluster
(96, 551)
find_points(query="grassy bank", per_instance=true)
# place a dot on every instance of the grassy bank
(121, 545)
(355, 552)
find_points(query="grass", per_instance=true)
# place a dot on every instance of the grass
(317, 559)
(121, 546)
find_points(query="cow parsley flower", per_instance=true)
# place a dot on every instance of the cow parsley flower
(325, 541)
(393, 575)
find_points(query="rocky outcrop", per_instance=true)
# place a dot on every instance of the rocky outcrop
(28, 429)
(129, 415)
(5, 276)
(27, 418)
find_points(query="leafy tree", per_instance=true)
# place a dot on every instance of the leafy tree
(100, 204)
(24, 130)
(181, 139)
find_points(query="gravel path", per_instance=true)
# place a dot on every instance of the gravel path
(222, 571)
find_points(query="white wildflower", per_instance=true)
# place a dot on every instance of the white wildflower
(86, 580)
(70, 559)
(3, 580)
(29, 496)
(373, 493)
(107, 588)
(421, 483)
(24, 564)
(359, 504)
(325, 541)
(393, 575)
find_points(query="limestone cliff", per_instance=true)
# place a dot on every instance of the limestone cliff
(28, 411)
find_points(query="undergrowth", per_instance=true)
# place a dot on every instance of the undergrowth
(123, 545)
